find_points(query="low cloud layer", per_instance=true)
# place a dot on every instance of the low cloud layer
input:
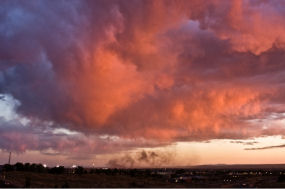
(267, 147)
(160, 71)
(244, 142)
(16, 137)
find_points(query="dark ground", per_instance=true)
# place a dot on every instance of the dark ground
(124, 178)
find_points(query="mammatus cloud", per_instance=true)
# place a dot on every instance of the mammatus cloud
(161, 71)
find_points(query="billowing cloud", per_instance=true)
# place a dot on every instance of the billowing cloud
(161, 71)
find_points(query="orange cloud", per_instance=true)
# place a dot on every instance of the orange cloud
(158, 70)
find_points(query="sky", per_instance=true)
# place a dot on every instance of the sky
(142, 83)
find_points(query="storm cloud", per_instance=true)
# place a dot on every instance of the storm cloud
(160, 71)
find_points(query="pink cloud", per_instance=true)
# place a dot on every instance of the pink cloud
(163, 71)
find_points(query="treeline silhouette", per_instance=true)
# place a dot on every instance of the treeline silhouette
(39, 168)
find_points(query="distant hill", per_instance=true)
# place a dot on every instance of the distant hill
(239, 166)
